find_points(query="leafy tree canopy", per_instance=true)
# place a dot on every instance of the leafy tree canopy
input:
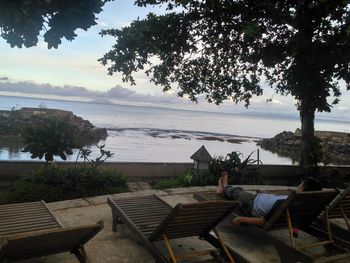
(226, 48)
(21, 21)
(49, 137)
(222, 48)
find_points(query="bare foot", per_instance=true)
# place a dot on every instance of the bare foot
(224, 180)
(220, 188)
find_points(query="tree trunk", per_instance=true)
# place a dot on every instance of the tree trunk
(309, 154)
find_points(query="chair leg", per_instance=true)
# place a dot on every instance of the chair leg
(329, 231)
(3, 245)
(345, 218)
(290, 227)
(313, 244)
(170, 250)
(80, 254)
(226, 251)
(115, 220)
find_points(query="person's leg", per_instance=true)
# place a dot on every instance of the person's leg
(220, 188)
(222, 183)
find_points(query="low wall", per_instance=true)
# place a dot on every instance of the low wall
(11, 171)
(270, 174)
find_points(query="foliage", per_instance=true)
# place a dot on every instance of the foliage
(223, 49)
(334, 177)
(241, 172)
(176, 182)
(54, 184)
(22, 21)
(85, 155)
(48, 138)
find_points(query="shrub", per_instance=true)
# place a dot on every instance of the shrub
(49, 137)
(332, 177)
(240, 172)
(176, 182)
(55, 184)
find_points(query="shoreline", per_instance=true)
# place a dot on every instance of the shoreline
(130, 146)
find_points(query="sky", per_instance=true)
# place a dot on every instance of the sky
(73, 72)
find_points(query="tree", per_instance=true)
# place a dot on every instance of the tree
(49, 137)
(21, 21)
(225, 49)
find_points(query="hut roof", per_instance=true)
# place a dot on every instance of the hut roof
(201, 155)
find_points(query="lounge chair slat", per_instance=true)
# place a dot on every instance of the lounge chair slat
(33, 215)
(148, 220)
(134, 201)
(24, 212)
(148, 211)
(201, 210)
(24, 221)
(343, 199)
(146, 216)
(129, 207)
(21, 205)
(21, 229)
(147, 225)
(27, 225)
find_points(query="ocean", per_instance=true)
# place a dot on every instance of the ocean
(151, 134)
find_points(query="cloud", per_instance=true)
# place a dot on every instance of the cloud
(280, 105)
(102, 24)
(117, 93)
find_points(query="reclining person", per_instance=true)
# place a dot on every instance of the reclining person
(256, 207)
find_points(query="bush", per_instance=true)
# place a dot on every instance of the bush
(176, 182)
(331, 177)
(240, 172)
(55, 184)
(49, 137)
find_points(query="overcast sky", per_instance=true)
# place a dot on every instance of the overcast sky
(73, 70)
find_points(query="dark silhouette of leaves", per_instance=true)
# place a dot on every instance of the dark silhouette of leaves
(49, 137)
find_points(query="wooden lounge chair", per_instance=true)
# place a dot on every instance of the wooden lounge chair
(150, 219)
(29, 230)
(298, 210)
(338, 209)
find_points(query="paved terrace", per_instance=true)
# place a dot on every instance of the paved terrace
(108, 246)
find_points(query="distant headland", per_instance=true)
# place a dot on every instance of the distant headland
(13, 122)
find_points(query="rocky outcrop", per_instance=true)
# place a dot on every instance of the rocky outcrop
(13, 122)
(335, 146)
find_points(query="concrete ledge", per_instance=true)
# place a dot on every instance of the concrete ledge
(10, 171)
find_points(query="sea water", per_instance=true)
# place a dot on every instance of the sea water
(151, 134)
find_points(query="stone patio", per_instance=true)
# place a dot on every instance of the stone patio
(108, 246)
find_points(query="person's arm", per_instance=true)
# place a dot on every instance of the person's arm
(249, 221)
